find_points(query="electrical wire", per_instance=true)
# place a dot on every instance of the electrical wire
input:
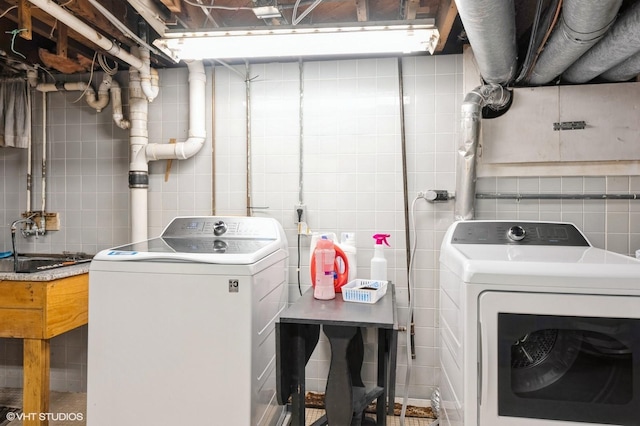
(84, 92)
(411, 284)
(295, 19)
(7, 11)
(108, 69)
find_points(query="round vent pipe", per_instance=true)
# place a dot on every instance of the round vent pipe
(491, 28)
(620, 43)
(583, 24)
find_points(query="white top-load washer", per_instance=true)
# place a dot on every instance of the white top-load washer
(537, 327)
(182, 327)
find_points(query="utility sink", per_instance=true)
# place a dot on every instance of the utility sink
(39, 262)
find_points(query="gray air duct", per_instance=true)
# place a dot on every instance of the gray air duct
(491, 28)
(624, 71)
(493, 96)
(583, 24)
(621, 42)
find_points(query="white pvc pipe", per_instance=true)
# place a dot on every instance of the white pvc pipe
(141, 151)
(116, 102)
(197, 129)
(97, 103)
(77, 25)
(148, 76)
(138, 140)
(103, 95)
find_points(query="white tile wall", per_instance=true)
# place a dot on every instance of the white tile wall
(347, 128)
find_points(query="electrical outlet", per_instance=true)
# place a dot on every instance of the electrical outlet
(299, 213)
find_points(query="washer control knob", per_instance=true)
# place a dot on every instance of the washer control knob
(516, 233)
(219, 228)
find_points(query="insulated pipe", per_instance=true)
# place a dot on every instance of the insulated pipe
(491, 28)
(488, 95)
(624, 71)
(621, 42)
(583, 24)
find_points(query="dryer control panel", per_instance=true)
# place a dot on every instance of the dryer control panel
(522, 233)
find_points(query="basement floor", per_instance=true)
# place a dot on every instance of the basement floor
(70, 402)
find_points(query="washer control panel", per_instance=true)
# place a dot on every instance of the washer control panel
(524, 233)
(218, 226)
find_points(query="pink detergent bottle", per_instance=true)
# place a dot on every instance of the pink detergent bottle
(325, 255)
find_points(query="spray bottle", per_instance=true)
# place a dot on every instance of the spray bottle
(378, 261)
(325, 255)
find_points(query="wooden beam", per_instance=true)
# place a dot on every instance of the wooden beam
(62, 45)
(447, 14)
(173, 5)
(411, 9)
(24, 19)
(362, 10)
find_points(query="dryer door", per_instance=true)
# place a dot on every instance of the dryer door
(559, 357)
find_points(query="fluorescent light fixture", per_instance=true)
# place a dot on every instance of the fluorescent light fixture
(266, 12)
(300, 41)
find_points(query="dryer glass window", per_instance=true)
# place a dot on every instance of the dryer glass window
(568, 368)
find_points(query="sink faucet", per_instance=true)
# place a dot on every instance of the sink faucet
(14, 228)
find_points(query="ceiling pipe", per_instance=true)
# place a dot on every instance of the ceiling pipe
(583, 24)
(76, 24)
(491, 28)
(621, 42)
(624, 71)
(98, 103)
(141, 64)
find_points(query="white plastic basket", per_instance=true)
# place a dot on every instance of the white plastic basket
(364, 291)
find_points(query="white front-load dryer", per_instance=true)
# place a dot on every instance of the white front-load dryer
(182, 327)
(537, 327)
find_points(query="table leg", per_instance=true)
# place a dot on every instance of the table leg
(381, 404)
(339, 393)
(392, 342)
(36, 354)
(294, 345)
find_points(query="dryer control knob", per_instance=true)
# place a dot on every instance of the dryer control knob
(219, 228)
(516, 233)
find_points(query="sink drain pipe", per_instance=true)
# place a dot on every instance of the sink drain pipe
(495, 97)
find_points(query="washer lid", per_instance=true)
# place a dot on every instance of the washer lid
(207, 239)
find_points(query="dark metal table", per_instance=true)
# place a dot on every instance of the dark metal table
(297, 334)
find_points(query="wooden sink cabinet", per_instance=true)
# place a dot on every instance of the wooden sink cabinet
(36, 311)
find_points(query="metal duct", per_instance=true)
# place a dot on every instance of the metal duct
(624, 71)
(621, 42)
(491, 95)
(491, 28)
(583, 24)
